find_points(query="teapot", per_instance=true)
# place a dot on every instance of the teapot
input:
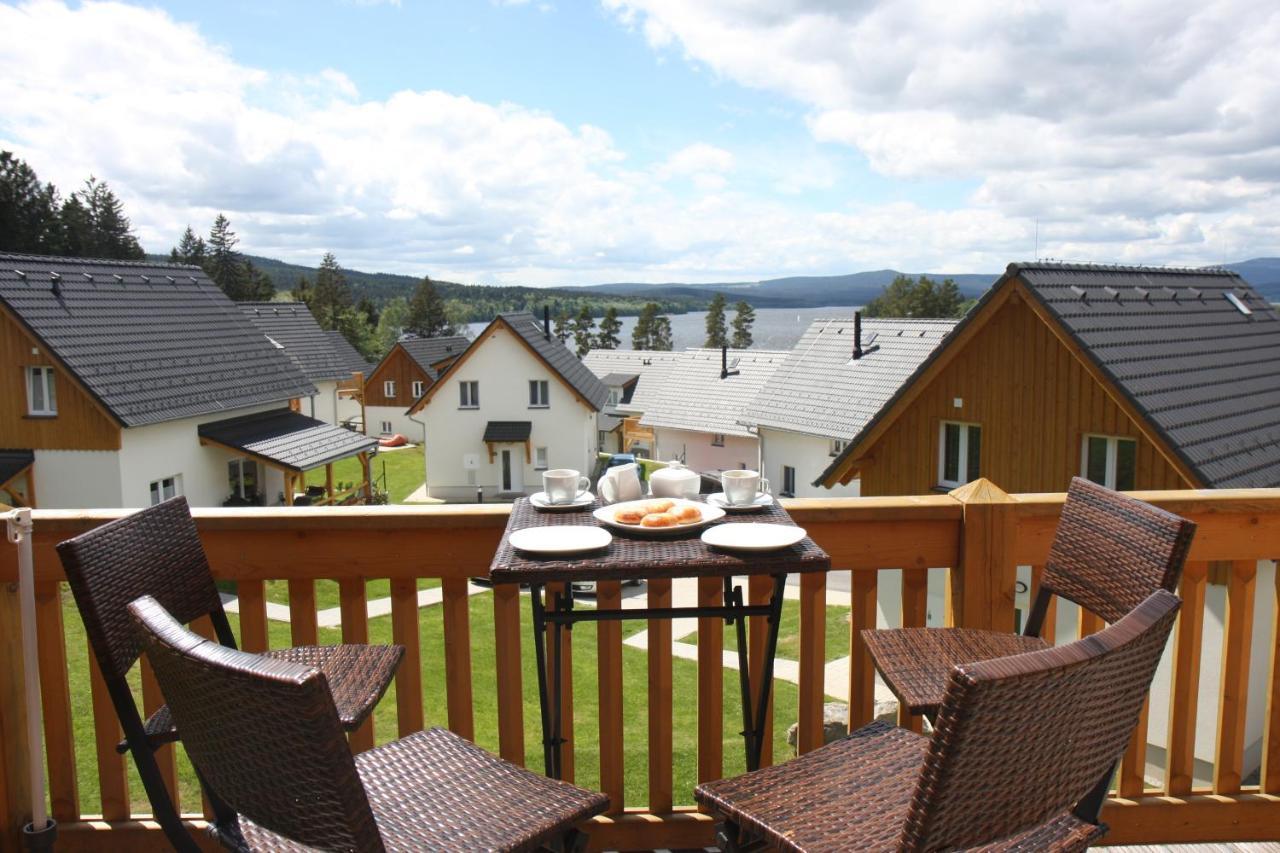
(675, 481)
(620, 483)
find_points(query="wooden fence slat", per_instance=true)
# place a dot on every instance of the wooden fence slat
(303, 630)
(506, 627)
(915, 612)
(55, 698)
(1271, 744)
(252, 598)
(862, 673)
(113, 781)
(1237, 635)
(404, 632)
(353, 604)
(1090, 623)
(813, 651)
(660, 701)
(710, 683)
(457, 657)
(609, 668)
(167, 755)
(1049, 629)
(1185, 690)
(1134, 764)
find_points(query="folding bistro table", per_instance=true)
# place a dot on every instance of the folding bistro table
(634, 557)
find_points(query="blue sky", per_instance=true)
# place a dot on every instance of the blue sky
(547, 143)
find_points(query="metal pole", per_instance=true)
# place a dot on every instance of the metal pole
(18, 524)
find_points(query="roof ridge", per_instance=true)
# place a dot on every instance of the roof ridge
(1080, 266)
(57, 259)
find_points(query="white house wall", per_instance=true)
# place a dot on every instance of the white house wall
(323, 406)
(400, 422)
(77, 479)
(808, 454)
(504, 367)
(698, 453)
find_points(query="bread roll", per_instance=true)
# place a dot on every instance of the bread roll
(688, 514)
(629, 515)
(659, 519)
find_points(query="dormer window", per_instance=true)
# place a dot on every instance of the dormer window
(42, 399)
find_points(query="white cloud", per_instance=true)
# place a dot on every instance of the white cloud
(702, 164)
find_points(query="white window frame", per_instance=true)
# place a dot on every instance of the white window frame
(41, 377)
(469, 394)
(717, 439)
(386, 428)
(1112, 457)
(417, 388)
(962, 463)
(165, 488)
(614, 397)
(389, 388)
(539, 394)
(788, 481)
(837, 446)
(239, 464)
(540, 458)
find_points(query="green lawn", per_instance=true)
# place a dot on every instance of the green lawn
(635, 689)
(789, 633)
(403, 469)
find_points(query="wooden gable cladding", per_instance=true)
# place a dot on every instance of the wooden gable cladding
(1035, 397)
(400, 368)
(81, 423)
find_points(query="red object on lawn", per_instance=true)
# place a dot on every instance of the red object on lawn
(396, 440)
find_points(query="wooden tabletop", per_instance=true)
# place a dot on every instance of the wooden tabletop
(635, 557)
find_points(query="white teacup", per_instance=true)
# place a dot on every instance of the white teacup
(564, 485)
(741, 488)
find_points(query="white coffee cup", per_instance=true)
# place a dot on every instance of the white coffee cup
(564, 485)
(741, 488)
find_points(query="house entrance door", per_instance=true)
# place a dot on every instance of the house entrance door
(512, 472)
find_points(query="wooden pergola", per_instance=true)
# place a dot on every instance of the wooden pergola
(17, 483)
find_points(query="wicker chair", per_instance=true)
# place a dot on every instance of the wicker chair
(157, 552)
(1109, 553)
(265, 737)
(1014, 762)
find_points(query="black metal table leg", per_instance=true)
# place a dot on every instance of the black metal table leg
(733, 598)
(766, 676)
(540, 656)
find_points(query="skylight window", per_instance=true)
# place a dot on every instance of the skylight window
(1239, 303)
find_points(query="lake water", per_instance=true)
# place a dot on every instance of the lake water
(775, 328)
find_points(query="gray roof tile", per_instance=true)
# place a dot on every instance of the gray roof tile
(821, 390)
(292, 326)
(13, 463)
(350, 357)
(691, 395)
(152, 342)
(429, 351)
(559, 358)
(287, 438)
(651, 366)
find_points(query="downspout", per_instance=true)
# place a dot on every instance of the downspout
(425, 483)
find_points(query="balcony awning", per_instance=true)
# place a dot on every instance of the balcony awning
(286, 439)
(13, 463)
(508, 431)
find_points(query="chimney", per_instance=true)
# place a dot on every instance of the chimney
(857, 334)
(546, 321)
(724, 362)
(55, 284)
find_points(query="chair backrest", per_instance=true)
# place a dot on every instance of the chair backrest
(1022, 739)
(1111, 551)
(263, 733)
(156, 552)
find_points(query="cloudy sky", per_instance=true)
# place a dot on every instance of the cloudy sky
(574, 141)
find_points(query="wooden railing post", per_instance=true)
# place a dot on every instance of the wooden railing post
(15, 784)
(983, 584)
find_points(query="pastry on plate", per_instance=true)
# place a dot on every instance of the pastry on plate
(660, 505)
(659, 519)
(629, 515)
(688, 514)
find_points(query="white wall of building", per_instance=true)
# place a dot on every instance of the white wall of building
(323, 405)
(77, 479)
(698, 453)
(398, 416)
(348, 409)
(504, 367)
(808, 454)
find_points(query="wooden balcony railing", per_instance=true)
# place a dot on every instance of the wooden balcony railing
(979, 535)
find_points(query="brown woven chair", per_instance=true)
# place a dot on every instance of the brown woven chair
(266, 739)
(157, 552)
(1014, 762)
(1109, 553)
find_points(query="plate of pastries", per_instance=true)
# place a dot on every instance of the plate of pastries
(659, 516)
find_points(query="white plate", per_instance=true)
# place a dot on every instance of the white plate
(539, 501)
(753, 537)
(558, 539)
(762, 500)
(606, 516)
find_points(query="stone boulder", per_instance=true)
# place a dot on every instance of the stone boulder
(835, 716)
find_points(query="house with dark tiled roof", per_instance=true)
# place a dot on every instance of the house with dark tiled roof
(514, 403)
(839, 374)
(403, 375)
(1136, 377)
(632, 377)
(291, 327)
(121, 376)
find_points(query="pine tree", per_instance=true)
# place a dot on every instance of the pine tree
(391, 323)
(908, 297)
(110, 233)
(190, 249)
(258, 285)
(29, 220)
(331, 294)
(562, 327)
(583, 327)
(77, 236)
(716, 330)
(660, 336)
(302, 291)
(642, 332)
(223, 263)
(742, 323)
(428, 314)
(610, 326)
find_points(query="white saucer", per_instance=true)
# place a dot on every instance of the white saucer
(762, 500)
(539, 501)
(557, 539)
(752, 536)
